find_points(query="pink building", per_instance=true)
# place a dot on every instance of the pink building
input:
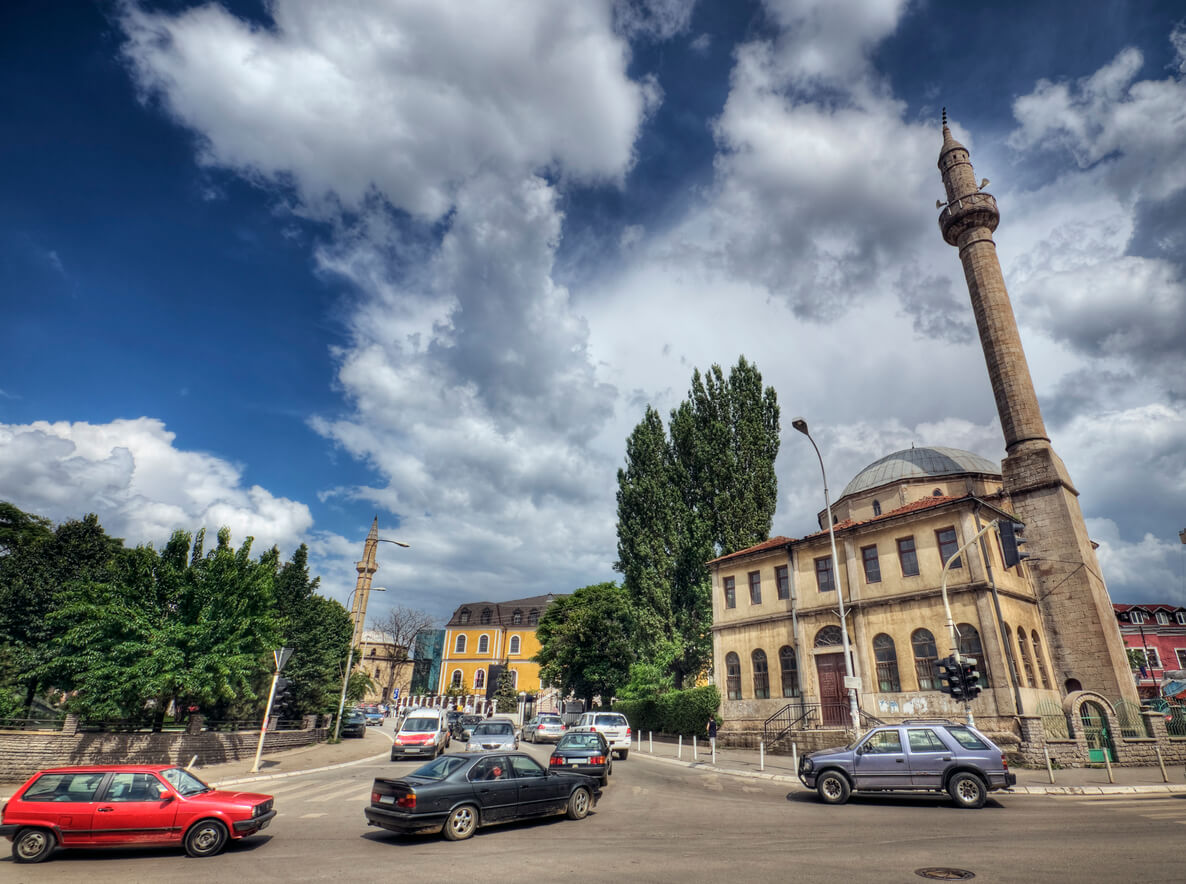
(1160, 630)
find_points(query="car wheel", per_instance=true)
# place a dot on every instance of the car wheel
(32, 845)
(833, 787)
(462, 823)
(579, 803)
(206, 838)
(967, 790)
(622, 755)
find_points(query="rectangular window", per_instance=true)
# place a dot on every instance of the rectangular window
(730, 593)
(907, 557)
(872, 564)
(823, 574)
(1181, 652)
(755, 587)
(948, 544)
(1153, 658)
(781, 577)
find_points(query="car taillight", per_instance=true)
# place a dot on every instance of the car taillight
(374, 798)
(555, 761)
(597, 759)
(408, 801)
(1005, 763)
(627, 731)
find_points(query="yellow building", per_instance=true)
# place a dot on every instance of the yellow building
(482, 635)
(777, 640)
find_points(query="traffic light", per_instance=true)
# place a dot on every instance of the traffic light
(1012, 541)
(951, 678)
(971, 678)
(283, 685)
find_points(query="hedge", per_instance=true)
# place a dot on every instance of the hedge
(675, 712)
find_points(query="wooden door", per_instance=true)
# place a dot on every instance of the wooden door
(832, 696)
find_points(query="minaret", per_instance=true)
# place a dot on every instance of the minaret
(1085, 641)
(362, 587)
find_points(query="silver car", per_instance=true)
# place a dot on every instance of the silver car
(931, 755)
(545, 728)
(493, 733)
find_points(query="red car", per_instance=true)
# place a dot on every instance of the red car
(115, 805)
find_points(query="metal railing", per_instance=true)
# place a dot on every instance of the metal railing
(32, 724)
(812, 716)
(1130, 721)
(1054, 720)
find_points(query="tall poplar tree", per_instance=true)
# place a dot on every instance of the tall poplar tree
(706, 488)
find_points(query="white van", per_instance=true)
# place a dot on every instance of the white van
(612, 725)
(423, 733)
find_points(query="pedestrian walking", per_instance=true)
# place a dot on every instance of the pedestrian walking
(711, 727)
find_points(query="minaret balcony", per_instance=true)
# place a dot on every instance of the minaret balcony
(973, 210)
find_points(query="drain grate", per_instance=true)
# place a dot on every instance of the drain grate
(943, 874)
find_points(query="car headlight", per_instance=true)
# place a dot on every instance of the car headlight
(806, 765)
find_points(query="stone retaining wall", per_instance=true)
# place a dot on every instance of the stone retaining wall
(23, 753)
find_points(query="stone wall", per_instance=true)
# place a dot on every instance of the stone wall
(23, 753)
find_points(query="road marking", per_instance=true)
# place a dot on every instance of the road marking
(311, 816)
(356, 788)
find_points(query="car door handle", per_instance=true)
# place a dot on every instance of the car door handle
(900, 760)
(105, 810)
(947, 758)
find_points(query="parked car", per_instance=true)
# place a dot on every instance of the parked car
(492, 733)
(464, 724)
(455, 794)
(584, 752)
(922, 755)
(423, 732)
(613, 724)
(374, 715)
(126, 804)
(354, 724)
(544, 728)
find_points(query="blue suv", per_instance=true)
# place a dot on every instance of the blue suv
(932, 755)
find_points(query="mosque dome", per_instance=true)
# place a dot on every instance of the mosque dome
(919, 463)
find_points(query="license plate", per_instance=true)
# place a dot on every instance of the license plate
(387, 799)
(411, 749)
(575, 764)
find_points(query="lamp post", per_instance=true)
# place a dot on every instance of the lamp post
(854, 712)
(349, 664)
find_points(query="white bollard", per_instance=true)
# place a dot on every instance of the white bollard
(795, 756)
(695, 757)
(651, 742)
(761, 756)
(714, 751)
(680, 751)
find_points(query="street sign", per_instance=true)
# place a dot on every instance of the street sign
(852, 682)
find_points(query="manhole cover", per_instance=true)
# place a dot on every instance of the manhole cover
(940, 874)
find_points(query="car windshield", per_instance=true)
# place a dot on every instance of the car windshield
(184, 782)
(439, 769)
(493, 729)
(579, 741)
(420, 725)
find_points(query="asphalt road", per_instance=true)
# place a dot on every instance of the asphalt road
(662, 822)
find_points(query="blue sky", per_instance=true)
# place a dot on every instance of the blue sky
(285, 266)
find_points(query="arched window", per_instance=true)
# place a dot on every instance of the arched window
(886, 656)
(486, 614)
(790, 671)
(516, 617)
(483, 644)
(761, 675)
(459, 647)
(732, 676)
(926, 659)
(533, 616)
(456, 678)
(829, 637)
(514, 647)
(515, 677)
(480, 679)
(1026, 663)
(1012, 655)
(1041, 660)
(877, 507)
(464, 618)
(970, 646)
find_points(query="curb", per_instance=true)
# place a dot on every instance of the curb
(708, 767)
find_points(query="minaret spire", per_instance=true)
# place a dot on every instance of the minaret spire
(362, 586)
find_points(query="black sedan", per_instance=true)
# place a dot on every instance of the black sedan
(455, 794)
(585, 752)
(354, 723)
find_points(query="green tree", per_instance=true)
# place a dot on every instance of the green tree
(704, 488)
(587, 642)
(506, 696)
(319, 631)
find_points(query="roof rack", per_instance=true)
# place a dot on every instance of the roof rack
(928, 721)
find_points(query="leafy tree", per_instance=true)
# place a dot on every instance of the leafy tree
(359, 685)
(587, 642)
(706, 487)
(506, 695)
(319, 631)
(399, 628)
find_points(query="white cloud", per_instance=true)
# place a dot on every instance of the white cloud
(142, 487)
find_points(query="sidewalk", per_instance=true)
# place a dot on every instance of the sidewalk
(781, 768)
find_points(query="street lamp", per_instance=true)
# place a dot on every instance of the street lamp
(350, 662)
(854, 712)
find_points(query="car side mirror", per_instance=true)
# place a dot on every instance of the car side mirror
(860, 750)
(167, 797)
(465, 735)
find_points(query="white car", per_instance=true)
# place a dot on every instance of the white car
(612, 725)
(424, 733)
